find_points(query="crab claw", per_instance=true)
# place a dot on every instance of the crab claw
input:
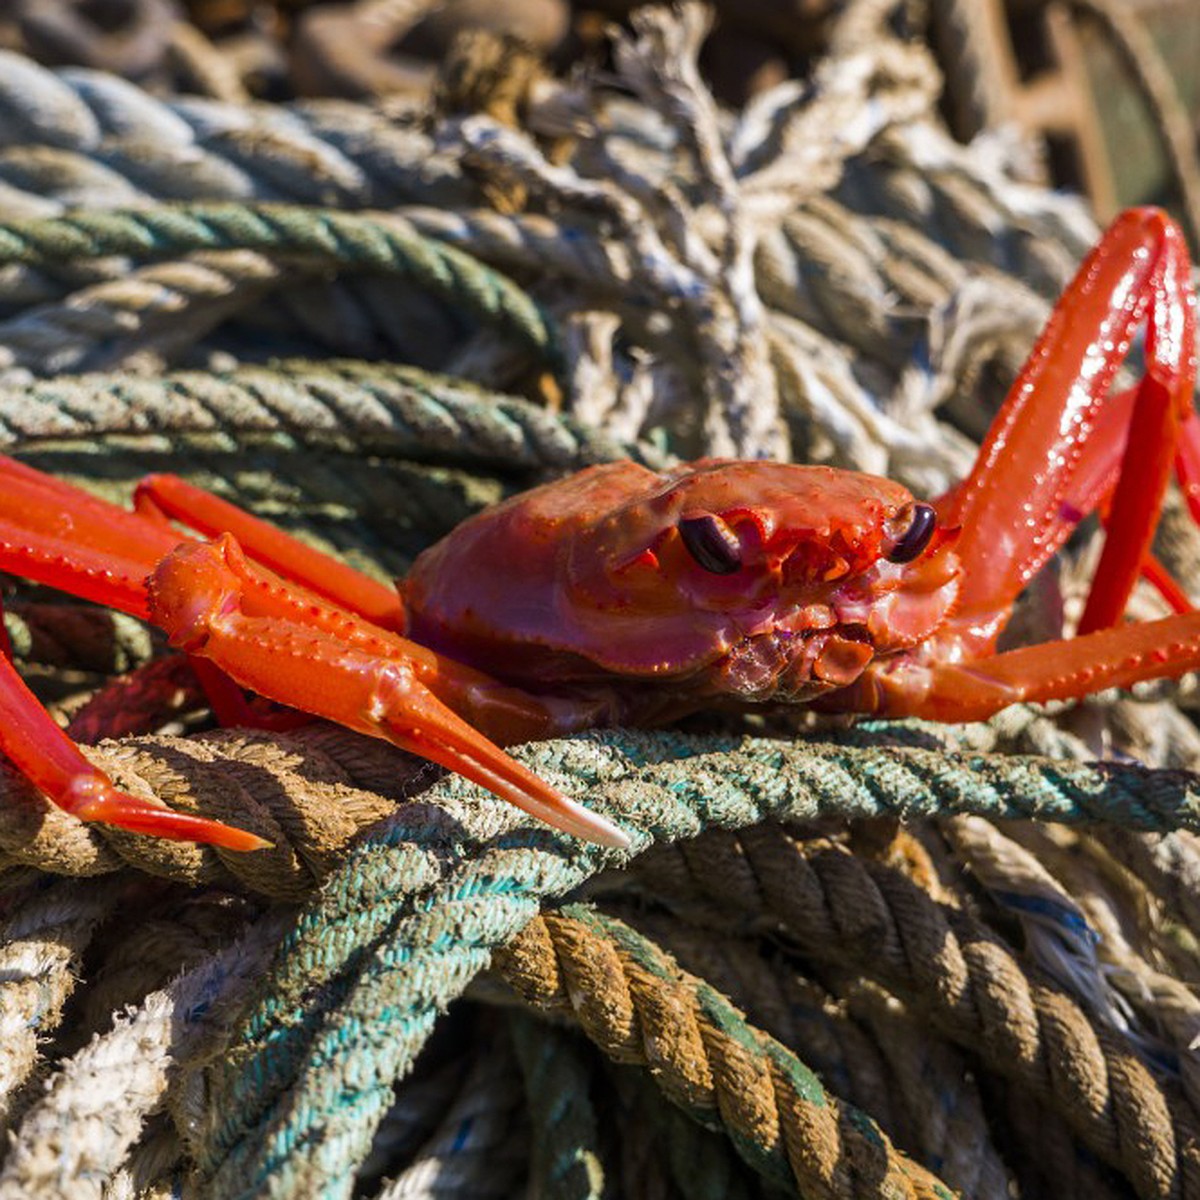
(412, 717)
(113, 807)
(285, 643)
(44, 754)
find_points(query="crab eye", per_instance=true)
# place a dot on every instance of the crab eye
(915, 538)
(711, 543)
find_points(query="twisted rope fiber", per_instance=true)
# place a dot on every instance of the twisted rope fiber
(304, 788)
(103, 136)
(75, 1133)
(869, 918)
(415, 910)
(155, 309)
(636, 1005)
(879, 1057)
(312, 789)
(42, 943)
(379, 241)
(397, 410)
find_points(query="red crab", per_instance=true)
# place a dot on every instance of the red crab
(620, 594)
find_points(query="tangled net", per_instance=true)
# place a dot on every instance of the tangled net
(894, 960)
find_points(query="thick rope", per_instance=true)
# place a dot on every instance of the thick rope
(309, 799)
(76, 1134)
(104, 137)
(865, 1047)
(638, 1007)
(377, 242)
(310, 791)
(285, 1112)
(150, 314)
(46, 931)
(870, 919)
(350, 406)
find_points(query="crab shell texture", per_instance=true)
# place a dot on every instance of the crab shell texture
(591, 577)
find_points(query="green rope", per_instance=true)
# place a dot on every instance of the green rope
(378, 242)
(355, 407)
(565, 1161)
(417, 907)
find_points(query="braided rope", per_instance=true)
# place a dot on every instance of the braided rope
(870, 919)
(637, 1006)
(350, 406)
(379, 242)
(41, 944)
(296, 1099)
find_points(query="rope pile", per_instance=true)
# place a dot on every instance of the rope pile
(893, 959)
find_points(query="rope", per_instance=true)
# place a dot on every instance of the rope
(81, 636)
(637, 1006)
(348, 406)
(102, 130)
(616, 240)
(414, 911)
(477, 1149)
(378, 242)
(863, 1044)
(661, 1145)
(75, 1131)
(45, 934)
(869, 919)
(312, 790)
(181, 928)
(303, 787)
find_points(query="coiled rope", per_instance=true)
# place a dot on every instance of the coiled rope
(379, 242)
(296, 1098)
(345, 405)
(638, 1007)
(312, 790)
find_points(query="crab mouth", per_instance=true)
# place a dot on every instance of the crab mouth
(792, 665)
(800, 652)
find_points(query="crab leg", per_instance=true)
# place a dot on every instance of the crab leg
(324, 660)
(1060, 429)
(36, 746)
(285, 555)
(1138, 271)
(281, 641)
(1063, 670)
(57, 535)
